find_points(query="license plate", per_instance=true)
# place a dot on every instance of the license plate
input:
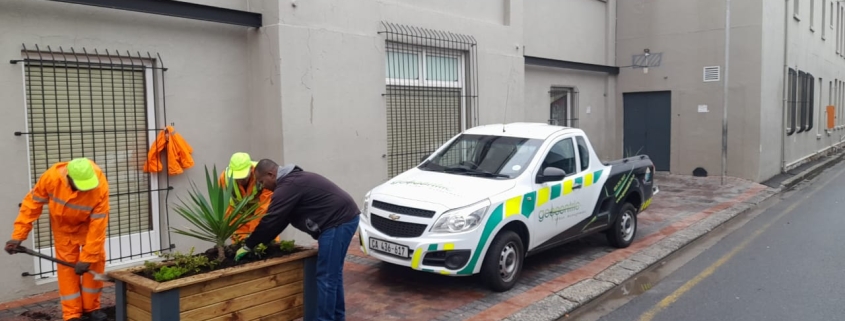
(389, 248)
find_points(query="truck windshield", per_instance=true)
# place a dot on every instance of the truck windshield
(484, 156)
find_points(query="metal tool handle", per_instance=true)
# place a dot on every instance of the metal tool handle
(23, 249)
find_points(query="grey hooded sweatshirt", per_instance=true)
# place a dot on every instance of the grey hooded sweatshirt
(308, 201)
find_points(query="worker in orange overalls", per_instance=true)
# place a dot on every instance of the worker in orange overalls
(77, 195)
(240, 169)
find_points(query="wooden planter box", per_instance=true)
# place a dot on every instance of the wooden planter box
(275, 289)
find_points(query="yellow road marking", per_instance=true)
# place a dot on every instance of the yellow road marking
(671, 298)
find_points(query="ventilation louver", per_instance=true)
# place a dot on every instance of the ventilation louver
(712, 73)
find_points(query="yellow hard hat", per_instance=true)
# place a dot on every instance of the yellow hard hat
(239, 166)
(82, 173)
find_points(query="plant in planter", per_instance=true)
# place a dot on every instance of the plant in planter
(274, 282)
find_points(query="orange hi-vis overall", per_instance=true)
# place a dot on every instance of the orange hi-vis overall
(240, 193)
(79, 221)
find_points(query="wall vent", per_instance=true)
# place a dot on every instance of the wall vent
(712, 73)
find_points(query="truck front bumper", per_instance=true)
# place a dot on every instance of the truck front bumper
(445, 254)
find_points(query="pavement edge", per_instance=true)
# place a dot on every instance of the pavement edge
(560, 303)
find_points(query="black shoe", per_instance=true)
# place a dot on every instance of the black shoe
(96, 316)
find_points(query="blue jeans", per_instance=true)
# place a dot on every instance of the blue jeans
(333, 244)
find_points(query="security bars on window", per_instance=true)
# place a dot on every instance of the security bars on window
(801, 99)
(563, 107)
(431, 93)
(103, 105)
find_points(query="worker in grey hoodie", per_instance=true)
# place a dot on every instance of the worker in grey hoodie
(317, 206)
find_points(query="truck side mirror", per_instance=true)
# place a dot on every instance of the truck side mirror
(551, 174)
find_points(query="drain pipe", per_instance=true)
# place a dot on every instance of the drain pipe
(785, 83)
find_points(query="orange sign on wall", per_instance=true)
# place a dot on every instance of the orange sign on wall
(830, 117)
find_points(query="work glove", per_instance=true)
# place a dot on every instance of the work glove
(243, 251)
(81, 267)
(11, 246)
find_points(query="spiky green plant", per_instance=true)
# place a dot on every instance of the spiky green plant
(208, 214)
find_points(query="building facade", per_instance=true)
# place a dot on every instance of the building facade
(784, 71)
(355, 90)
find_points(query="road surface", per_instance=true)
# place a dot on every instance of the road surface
(785, 263)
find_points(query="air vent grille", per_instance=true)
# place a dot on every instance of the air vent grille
(712, 73)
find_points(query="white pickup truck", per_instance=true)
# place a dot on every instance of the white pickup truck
(494, 194)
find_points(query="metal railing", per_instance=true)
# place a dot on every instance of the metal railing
(107, 106)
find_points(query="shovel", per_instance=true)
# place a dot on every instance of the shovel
(97, 276)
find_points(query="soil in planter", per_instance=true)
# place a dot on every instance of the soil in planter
(273, 251)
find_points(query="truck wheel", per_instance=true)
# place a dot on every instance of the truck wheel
(503, 262)
(622, 233)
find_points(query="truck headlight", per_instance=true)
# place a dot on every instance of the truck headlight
(366, 210)
(461, 219)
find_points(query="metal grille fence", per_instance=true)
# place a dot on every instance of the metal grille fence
(104, 106)
(431, 91)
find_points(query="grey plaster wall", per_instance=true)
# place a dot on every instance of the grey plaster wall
(333, 77)
(807, 50)
(690, 36)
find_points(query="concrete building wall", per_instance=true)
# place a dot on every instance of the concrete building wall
(573, 30)
(333, 77)
(208, 96)
(690, 36)
(811, 47)
(308, 87)
(580, 31)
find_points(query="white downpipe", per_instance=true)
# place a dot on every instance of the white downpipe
(725, 94)
(785, 89)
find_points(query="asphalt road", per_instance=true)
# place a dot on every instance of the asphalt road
(787, 263)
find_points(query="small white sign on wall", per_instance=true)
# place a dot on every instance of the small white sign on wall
(589, 108)
(703, 109)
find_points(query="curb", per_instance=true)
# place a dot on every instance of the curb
(556, 306)
(813, 171)
(559, 304)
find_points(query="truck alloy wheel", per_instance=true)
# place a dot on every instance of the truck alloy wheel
(503, 261)
(621, 233)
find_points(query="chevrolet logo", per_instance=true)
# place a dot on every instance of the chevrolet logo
(393, 217)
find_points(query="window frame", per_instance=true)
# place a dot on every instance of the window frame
(581, 141)
(824, 20)
(571, 107)
(790, 108)
(552, 145)
(812, 15)
(422, 70)
(114, 246)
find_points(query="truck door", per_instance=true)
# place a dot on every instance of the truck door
(560, 203)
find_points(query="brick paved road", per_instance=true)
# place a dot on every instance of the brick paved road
(382, 291)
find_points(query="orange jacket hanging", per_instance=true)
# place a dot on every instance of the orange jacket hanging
(178, 152)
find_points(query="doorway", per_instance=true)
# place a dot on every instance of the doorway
(648, 126)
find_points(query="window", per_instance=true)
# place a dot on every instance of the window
(796, 9)
(106, 112)
(790, 110)
(562, 156)
(563, 107)
(812, 15)
(429, 95)
(801, 91)
(809, 111)
(405, 67)
(801, 101)
(824, 19)
(485, 156)
(831, 14)
(838, 29)
(583, 152)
